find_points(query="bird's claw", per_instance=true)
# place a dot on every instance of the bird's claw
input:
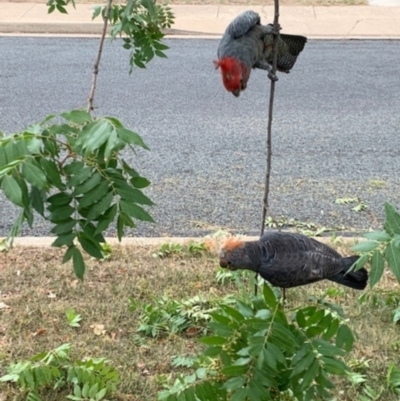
(272, 77)
(275, 30)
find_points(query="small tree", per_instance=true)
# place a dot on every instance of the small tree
(71, 171)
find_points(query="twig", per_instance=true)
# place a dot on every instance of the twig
(97, 62)
(269, 132)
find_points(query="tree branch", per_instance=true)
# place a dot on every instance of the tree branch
(98, 58)
(269, 132)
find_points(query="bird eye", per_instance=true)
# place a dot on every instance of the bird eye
(229, 263)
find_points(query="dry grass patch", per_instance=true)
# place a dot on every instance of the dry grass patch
(37, 290)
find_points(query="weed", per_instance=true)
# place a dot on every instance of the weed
(89, 379)
(73, 318)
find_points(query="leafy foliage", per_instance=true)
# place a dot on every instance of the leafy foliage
(88, 379)
(169, 249)
(381, 247)
(254, 352)
(74, 176)
(393, 378)
(140, 24)
(73, 318)
(169, 316)
(59, 5)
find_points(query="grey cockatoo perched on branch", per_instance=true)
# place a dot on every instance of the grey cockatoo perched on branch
(247, 44)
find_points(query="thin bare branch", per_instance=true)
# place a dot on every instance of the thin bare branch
(98, 58)
(269, 132)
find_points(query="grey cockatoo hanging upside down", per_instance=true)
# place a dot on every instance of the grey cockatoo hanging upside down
(247, 44)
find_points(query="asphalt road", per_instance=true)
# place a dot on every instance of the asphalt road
(336, 129)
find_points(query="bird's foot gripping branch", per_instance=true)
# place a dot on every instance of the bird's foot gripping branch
(73, 175)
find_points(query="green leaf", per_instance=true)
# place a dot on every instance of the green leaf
(94, 195)
(244, 309)
(332, 330)
(309, 375)
(213, 340)
(303, 364)
(130, 137)
(334, 366)
(133, 195)
(240, 395)
(34, 175)
(365, 246)
(52, 172)
(100, 207)
(377, 267)
(85, 390)
(93, 390)
(113, 144)
(345, 338)
(60, 199)
(263, 314)
(87, 185)
(361, 262)
(269, 296)
(94, 136)
(101, 394)
(135, 211)
(392, 223)
(242, 361)
(90, 246)
(213, 352)
(78, 262)
(140, 182)
(12, 190)
(64, 227)
(107, 218)
(61, 9)
(235, 314)
(61, 214)
(380, 236)
(235, 370)
(80, 176)
(69, 253)
(34, 146)
(74, 167)
(234, 383)
(392, 255)
(65, 239)
(79, 117)
(96, 12)
(37, 199)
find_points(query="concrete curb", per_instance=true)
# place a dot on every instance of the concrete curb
(94, 31)
(45, 242)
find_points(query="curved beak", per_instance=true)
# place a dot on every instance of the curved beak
(223, 262)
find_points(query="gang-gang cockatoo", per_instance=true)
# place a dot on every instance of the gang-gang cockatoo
(247, 44)
(291, 259)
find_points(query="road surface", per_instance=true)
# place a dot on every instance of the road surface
(336, 129)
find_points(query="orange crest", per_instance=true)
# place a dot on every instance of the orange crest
(232, 243)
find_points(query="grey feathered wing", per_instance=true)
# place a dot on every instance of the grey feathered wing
(290, 260)
(289, 47)
(242, 24)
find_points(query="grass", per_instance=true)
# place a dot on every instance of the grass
(37, 291)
